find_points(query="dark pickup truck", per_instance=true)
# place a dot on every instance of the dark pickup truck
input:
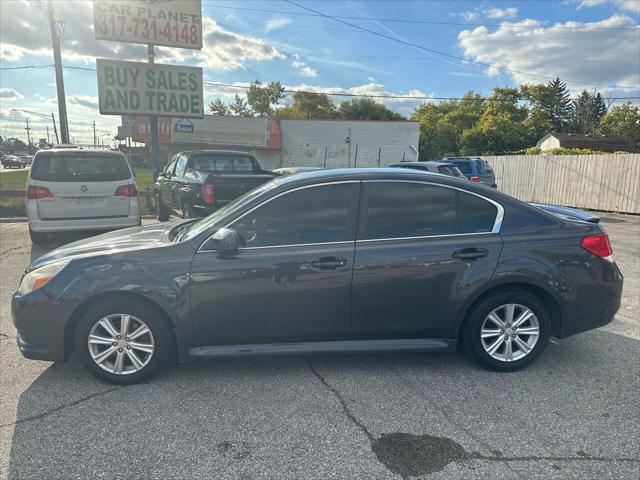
(196, 183)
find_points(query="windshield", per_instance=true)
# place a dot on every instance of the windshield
(212, 220)
(80, 168)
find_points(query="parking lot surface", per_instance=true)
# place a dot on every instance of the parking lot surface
(573, 414)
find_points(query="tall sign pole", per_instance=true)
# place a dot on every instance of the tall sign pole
(153, 121)
(57, 60)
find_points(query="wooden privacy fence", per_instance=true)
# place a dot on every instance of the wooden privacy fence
(609, 182)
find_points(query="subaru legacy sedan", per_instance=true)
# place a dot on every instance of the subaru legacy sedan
(334, 260)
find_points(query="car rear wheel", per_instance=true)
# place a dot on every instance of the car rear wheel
(122, 342)
(161, 210)
(508, 330)
(187, 210)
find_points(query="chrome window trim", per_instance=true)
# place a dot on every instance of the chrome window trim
(497, 223)
(303, 187)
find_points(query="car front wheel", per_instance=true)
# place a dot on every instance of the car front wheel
(161, 210)
(122, 342)
(508, 330)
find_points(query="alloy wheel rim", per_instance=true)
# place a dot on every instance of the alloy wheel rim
(121, 344)
(510, 332)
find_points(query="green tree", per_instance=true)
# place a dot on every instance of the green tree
(501, 127)
(262, 98)
(239, 107)
(366, 109)
(218, 107)
(623, 120)
(541, 99)
(307, 105)
(560, 113)
(587, 111)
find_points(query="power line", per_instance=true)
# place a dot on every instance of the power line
(407, 20)
(329, 93)
(445, 54)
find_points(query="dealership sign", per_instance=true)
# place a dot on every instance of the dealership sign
(172, 23)
(137, 88)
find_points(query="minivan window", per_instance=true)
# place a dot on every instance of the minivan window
(310, 215)
(398, 209)
(80, 168)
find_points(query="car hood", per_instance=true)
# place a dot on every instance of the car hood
(135, 238)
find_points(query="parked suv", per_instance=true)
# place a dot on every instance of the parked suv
(449, 169)
(75, 189)
(475, 169)
(196, 183)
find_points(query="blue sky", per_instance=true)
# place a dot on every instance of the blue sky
(595, 43)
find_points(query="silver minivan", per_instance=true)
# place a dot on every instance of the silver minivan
(70, 189)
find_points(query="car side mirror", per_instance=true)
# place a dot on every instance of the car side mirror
(225, 241)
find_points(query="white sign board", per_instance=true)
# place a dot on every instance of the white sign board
(136, 88)
(172, 23)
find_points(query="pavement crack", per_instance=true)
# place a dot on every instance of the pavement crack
(58, 408)
(343, 402)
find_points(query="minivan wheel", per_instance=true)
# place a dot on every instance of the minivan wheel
(508, 330)
(122, 342)
(37, 237)
(162, 211)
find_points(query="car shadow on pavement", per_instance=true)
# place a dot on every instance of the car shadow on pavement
(320, 416)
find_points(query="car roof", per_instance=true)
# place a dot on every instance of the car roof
(78, 151)
(218, 152)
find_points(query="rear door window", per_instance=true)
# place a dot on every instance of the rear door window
(400, 210)
(475, 215)
(465, 167)
(80, 168)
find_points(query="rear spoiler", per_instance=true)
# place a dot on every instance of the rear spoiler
(567, 212)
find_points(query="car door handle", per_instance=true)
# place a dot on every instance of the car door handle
(470, 253)
(329, 263)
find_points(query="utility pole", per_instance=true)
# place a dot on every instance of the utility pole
(28, 134)
(48, 141)
(62, 105)
(153, 121)
(94, 132)
(55, 130)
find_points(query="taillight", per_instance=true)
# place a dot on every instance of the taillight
(598, 245)
(208, 195)
(34, 192)
(475, 179)
(126, 191)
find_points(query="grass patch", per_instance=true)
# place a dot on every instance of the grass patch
(16, 180)
(144, 178)
(12, 207)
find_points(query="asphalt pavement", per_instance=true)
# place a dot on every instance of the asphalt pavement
(573, 414)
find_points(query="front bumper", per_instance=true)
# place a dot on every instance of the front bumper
(41, 324)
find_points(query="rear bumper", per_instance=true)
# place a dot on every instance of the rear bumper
(595, 303)
(68, 225)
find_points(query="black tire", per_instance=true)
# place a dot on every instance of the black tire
(187, 210)
(162, 211)
(471, 336)
(152, 317)
(38, 238)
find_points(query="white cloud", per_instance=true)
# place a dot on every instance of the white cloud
(276, 23)
(588, 53)
(501, 13)
(10, 94)
(304, 69)
(468, 15)
(631, 5)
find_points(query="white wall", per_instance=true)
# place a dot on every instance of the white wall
(600, 182)
(306, 142)
(549, 143)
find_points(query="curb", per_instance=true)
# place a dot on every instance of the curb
(25, 219)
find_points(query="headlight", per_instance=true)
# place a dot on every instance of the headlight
(39, 277)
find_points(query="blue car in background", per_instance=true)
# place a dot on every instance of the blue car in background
(475, 169)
